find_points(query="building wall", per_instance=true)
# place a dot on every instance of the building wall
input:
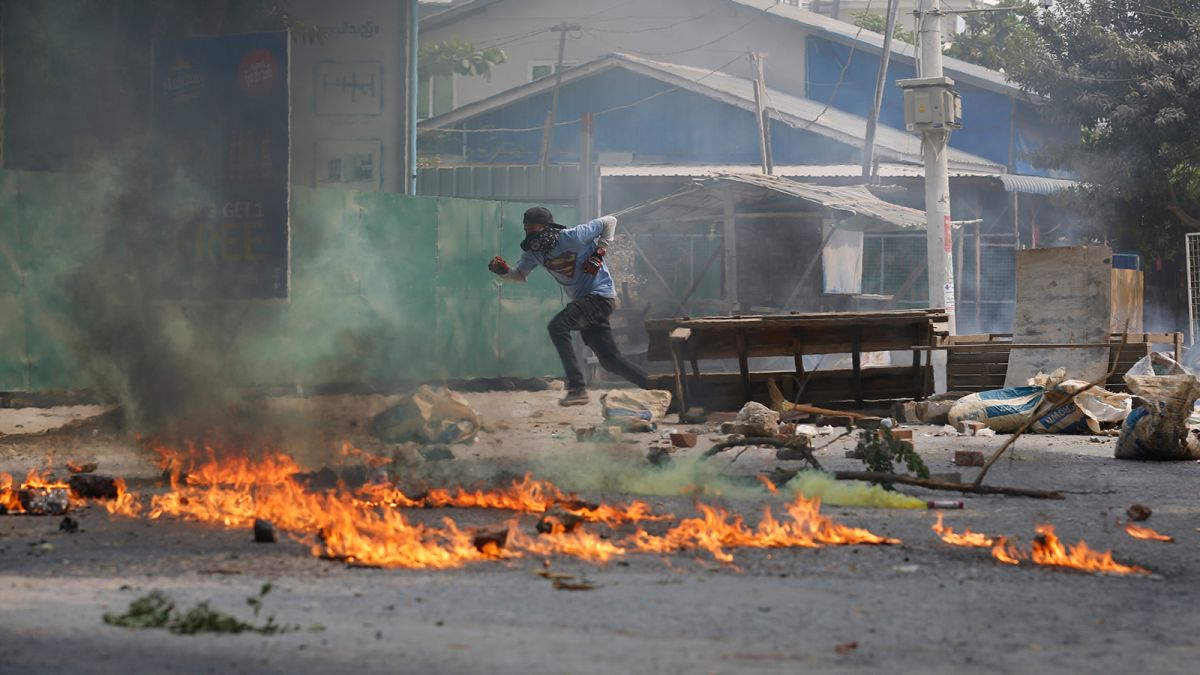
(676, 127)
(846, 79)
(349, 105)
(701, 33)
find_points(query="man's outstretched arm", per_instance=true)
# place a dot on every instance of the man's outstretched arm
(499, 267)
(608, 231)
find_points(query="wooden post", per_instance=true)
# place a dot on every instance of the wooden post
(978, 274)
(743, 352)
(729, 240)
(588, 203)
(548, 131)
(856, 364)
(764, 116)
(677, 337)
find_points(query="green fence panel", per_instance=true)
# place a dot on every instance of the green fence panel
(384, 289)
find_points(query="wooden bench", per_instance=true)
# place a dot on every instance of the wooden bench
(690, 341)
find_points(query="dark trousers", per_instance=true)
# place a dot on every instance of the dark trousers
(589, 315)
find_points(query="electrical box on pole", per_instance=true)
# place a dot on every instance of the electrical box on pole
(931, 103)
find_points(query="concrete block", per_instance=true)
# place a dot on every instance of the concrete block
(683, 439)
(969, 428)
(968, 458)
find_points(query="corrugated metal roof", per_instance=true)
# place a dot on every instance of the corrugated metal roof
(794, 111)
(855, 200)
(817, 24)
(887, 170)
(844, 32)
(1037, 185)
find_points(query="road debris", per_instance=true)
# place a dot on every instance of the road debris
(756, 419)
(1159, 428)
(1138, 512)
(68, 525)
(157, 611)
(683, 439)
(428, 415)
(968, 458)
(86, 467)
(93, 486)
(264, 531)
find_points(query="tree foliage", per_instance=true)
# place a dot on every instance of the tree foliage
(458, 57)
(878, 24)
(996, 40)
(1128, 75)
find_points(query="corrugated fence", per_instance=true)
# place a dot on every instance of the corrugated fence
(385, 289)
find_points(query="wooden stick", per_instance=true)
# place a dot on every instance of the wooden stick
(1036, 416)
(882, 477)
(773, 442)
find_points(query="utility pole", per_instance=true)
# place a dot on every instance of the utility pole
(764, 116)
(548, 132)
(932, 107)
(868, 167)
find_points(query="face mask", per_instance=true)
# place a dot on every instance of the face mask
(540, 242)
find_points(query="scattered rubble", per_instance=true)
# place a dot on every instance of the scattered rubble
(1138, 512)
(683, 439)
(53, 501)
(968, 458)
(93, 486)
(598, 434)
(264, 531)
(756, 419)
(428, 415)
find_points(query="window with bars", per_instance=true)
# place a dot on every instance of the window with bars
(1192, 244)
(435, 96)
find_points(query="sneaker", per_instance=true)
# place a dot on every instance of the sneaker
(575, 397)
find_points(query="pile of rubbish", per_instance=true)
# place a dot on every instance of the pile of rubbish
(1157, 420)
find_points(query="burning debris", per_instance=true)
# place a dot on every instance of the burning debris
(967, 538)
(365, 526)
(1140, 532)
(1048, 550)
(38, 495)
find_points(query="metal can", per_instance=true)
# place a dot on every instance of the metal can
(944, 503)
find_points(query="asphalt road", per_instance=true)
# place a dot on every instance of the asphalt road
(920, 607)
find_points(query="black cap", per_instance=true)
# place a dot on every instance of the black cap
(539, 215)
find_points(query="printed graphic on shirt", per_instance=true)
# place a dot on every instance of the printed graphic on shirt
(563, 265)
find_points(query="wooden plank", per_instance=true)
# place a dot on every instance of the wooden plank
(779, 341)
(1063, 297)
(856, 364)
(1128, 288)
(723, 391)
(729, 242)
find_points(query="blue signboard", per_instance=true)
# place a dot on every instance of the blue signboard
(220, 120)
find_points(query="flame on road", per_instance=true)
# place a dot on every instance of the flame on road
(967, 538)
(367, 527)
(1139, 532)
(1048, 550)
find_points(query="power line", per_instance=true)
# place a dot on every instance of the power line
(841, 77)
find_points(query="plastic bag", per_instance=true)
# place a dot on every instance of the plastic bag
(647, 404)
(1001, 410)
(1158, 428)
(428, 416)
(1086, 413)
